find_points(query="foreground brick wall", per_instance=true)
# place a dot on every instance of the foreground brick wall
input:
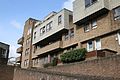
(22, 74)
(107, 67)
(6, 72)
(99, 69)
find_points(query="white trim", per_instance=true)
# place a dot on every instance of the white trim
(96, 47)
(118, 37)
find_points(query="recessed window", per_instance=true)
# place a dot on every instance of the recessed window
(89, 2)
(72, 32)
(66, 36)
(41, 31)
(48, 26)
(59, 19)
(86, 27)
(117, 13)
(90, 45)
(34, 35)
(94, 24)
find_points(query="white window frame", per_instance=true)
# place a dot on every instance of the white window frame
(96, 47)
(94, 24)
(118, 37)
(88, 46)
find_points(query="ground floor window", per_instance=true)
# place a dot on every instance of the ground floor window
(98, 44)
(90, 45)
(119, 38)
(94, 44)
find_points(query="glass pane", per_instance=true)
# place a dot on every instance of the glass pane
(87, 3)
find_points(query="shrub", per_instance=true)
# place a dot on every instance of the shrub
(53, 63)
(73, 56)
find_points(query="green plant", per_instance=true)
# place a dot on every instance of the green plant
(54, 61)
(73, 56)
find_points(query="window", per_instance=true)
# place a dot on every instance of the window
(89, 2)
(66, 36)
(117, 13)
(49, 26)
(26, 62)
(45, 60)
(27, 51)
(86, 27)
(34, 35)
(90, 45)
(29, 31)
(36, 61)
(72, 32)
(94, 24)
(59, 19)
(28, 41)
(98, 44)
(119, 38)
(41, 31)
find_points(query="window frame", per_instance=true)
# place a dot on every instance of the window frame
(94, 23)
(116, 17)
(91, 2)
(88, 46)
(86, 27)
(59, 19)
(96, 47)
(118, 34)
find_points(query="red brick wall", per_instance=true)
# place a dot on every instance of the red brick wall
(6, 72)
(99, 69)
(107, 67)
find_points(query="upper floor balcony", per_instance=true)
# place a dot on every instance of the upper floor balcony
(20, 49)
(49, 48)
(87, 9)
(18, 59)
(20, 41)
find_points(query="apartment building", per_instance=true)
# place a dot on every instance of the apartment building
(93, 24)
(4, 53)
(52, 37)
(26, 44)
(97, 25)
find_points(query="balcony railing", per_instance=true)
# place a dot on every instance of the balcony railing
(20, 41)
(50, 47)
(18, 59)
(20, 49)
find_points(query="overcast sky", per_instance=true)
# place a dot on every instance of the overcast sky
(14, 13)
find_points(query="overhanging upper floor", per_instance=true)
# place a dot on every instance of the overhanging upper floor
(58, 22)
(86, 9)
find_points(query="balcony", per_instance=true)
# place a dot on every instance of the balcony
(100, 53)
(18, 59)
(20, 49)
(82, 12)
(49, 48)
(20, 41)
